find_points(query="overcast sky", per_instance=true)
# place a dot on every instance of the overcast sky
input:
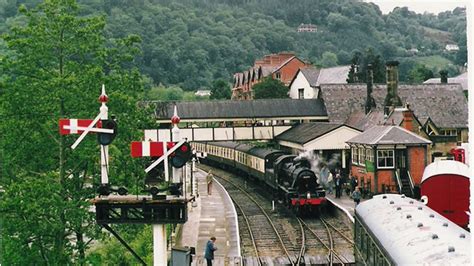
(419, 6)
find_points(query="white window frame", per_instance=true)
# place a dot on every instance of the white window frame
(393, 159)
(301, 93)
(278, 75)
(361, 158)
(355, 155)
(369, 155)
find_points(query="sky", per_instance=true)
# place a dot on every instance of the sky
(419, 6)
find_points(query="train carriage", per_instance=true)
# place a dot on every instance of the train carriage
(261, 164)
(392, 229)
(445, 189)
(221, 153)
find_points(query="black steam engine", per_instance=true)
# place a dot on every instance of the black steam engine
(288, 177)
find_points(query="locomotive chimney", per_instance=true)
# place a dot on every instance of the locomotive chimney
(369, 101)
(392, 99)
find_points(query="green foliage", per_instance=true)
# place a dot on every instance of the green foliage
(270, 88)
(190, 43)
(163, 93)
(329, 59)
(54, 67)
(359, 66)
(220, 90)
(419, 74)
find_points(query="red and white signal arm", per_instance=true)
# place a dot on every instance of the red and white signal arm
(148, 148)
(75, 126)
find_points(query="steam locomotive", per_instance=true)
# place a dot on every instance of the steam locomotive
(289, 178)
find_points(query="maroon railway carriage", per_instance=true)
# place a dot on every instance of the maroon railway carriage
(445, 188)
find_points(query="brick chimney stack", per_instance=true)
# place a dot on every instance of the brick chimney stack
(392, 99)
(408, 119)
(369, 101)
(444, 76)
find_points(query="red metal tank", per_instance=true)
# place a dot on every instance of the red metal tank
(445, 187)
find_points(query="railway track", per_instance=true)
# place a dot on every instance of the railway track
(300, 242)
(337, 246)
(266, 239)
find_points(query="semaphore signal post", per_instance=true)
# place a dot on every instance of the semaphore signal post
(161, 206)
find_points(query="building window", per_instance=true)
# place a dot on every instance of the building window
(385, 159)
(355, 155)
(369, 155)
(300, 93)
(278, 75)
(361, 156)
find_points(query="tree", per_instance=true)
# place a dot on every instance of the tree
(220, 90)
(270, 88)
(358, 71)
(56, 63)
(329, 59)
(419, 73)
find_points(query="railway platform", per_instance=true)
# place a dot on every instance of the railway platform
(213, 215)
(345, 203)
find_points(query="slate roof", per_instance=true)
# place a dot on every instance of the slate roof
(306, 132)
(331, 75)
(251, 109)
(461, 79)
(387, 135)
(311, 75)
(362, 121)
(445, 104)
(334, 75)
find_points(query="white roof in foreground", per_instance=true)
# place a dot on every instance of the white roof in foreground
(445, 167)
(414, 234)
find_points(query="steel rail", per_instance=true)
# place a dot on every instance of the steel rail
(303, 244)
(254, 243)
(330, 249)
(340, 233)
(264, 213)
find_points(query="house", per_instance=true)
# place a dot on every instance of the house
(202, 93)
(282, 66)
(327, 140)
(440, 110)
(306, 83)
(307, 28)
(451, 47)
(389, 159)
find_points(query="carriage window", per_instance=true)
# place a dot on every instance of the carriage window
(385, 159)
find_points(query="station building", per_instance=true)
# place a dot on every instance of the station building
(389, 159)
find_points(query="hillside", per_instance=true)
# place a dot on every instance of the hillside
(190, 43)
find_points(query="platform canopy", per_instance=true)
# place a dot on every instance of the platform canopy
(233, 110)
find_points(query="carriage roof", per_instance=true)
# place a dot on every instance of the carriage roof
(445, 167)
(412, 233)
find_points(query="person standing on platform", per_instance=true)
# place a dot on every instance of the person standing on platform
(209, 179)
(356, 196)
(353, 183)
(329, 184)
(209, 253)
(338, 182)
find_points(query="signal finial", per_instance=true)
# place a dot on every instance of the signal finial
(103, 97)
(175, 118)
